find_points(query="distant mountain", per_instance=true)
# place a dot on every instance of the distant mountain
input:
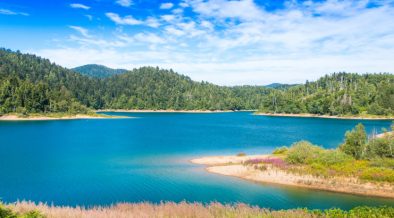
(98, 71)
(279, 85)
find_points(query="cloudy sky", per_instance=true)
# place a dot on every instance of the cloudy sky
(224, 42)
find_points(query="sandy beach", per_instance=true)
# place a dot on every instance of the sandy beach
(37, 118)
(382, 135)
(232, 166)
(326, 116)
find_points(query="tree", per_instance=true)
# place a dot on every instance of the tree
(355, 142)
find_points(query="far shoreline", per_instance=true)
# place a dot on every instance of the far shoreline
(43, 117)
(305, 115)
(233, 166)
(164, 111)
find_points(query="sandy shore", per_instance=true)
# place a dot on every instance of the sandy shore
(36, 118)
(232, 166)
(164, 111)
(382, 135)
(327, 116)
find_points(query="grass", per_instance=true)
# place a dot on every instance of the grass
(182, 209)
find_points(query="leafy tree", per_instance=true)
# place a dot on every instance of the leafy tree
(355, 142)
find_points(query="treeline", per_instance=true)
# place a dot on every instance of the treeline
(337, 94)
(97, 71)
(30, 84)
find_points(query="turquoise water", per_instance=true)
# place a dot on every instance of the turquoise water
(99, 162)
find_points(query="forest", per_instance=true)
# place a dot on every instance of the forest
(30, 84)
(97, 71)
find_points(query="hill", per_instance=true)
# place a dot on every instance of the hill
(30, 84)
(337, 94)
(280, 85)
(97, 71)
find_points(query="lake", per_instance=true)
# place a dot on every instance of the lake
(104, 161)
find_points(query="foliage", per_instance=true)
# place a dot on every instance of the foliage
(381, 147)
(336, 94)
(184, 209)
(357, 157)
(6, 212)
(281, 150)
(355, 142)
(241, 154)
(98, 71)
(29, 84)
(303, 152)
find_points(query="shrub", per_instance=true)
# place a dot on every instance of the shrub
(381, 147)
(8, 213)
(331, 157)
(355, 141)
(241, 154)
(303, 152)
(281, 150)
(364, 212)
(378, 174)
(5, 212)
(382, 162)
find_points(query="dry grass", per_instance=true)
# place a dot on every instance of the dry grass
(168, 209)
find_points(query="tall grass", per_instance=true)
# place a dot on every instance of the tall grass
(186, 210)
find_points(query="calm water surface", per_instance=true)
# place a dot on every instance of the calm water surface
(99, 162)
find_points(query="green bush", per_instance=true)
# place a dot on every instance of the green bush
(364, 212)
(382, 162)
(281, 150)
(331, 157)
(381, 147)
(355, 142)
(303, 152)
(241, 154)
(378, 174)
(8, 213)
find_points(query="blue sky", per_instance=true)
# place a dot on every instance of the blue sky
(224, 42)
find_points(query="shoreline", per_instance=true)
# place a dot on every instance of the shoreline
(42, 117)
(164, 111)
(382, 135)
(232, 166)
(325, 116)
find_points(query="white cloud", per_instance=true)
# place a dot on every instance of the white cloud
(149, 38)
(84, 32)
(124, 3)
(221, 9)
(9, 12)
(127, 20)
(168, 17)
(79, 6)
(130, 20)
(167, 5)
(152, 22)
(240, 42)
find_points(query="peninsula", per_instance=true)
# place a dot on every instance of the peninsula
(359, 166)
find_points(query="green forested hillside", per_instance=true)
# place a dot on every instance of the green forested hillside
(97, 71)
(337, 94)
(280, 85)
(30, 84)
